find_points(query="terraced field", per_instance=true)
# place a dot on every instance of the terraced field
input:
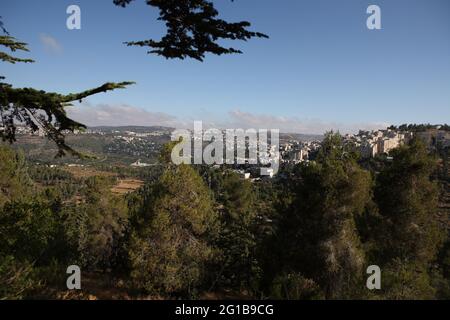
(127, 185)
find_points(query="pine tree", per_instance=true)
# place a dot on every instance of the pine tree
(237, 241)
(408, 236)
(27, 228)
(317, 234)
(170, 245)
(96, 227)
(407, 199)
(15, 182)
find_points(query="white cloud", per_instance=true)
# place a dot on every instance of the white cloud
(119, 115)
(124, 114)
(245, 120)
(50, 43)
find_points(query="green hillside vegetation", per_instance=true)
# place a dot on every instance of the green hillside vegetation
(196, 231)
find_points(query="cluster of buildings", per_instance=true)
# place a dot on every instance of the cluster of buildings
(377, 142)
(374, 143)
(370, 144)
(145, 134)
(140, 164)
(290, 152)
(295, 151)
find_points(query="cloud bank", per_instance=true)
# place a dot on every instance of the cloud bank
(119, 115)
(124, 114)
(297, 125)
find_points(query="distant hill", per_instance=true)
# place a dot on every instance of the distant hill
(301, 137)
(141, 129)
(138, 129)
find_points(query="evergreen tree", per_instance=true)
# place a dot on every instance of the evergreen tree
(15, 183)
(16, 278)
(170, 246)
(407, 200)
(96, 226)
(317, 236)
(237, 241)
(27, 228)
(408, 236)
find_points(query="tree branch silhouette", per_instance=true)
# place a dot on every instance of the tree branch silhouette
(193, 30)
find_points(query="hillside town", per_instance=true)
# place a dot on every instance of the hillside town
(369, 143)
(141, 143)
(379, 142)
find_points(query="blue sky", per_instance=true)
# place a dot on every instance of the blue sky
(321, 68)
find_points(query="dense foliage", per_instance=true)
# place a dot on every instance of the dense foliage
(196, 231)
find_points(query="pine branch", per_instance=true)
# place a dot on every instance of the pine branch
(38, 109)
(192, 30)
(12, 44)
(43, 110)
(104, 88)
(7, 58)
